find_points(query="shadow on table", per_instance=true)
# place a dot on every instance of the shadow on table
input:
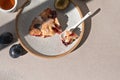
(87, 27)
(10, 28)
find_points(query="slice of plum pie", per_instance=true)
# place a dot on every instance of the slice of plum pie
(46, 24)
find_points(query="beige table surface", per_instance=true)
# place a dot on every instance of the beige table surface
(97, 57)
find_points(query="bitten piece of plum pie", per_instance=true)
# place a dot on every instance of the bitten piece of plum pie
(69, 37)
(46, 24)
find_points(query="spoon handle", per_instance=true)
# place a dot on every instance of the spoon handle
(78, 23)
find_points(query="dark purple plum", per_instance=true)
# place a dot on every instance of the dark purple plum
(16, 51)
(6, 38)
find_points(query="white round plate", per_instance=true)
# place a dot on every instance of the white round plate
(51, 46)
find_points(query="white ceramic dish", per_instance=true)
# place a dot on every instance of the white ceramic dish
(52, 46)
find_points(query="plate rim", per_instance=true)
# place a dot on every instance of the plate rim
(43, 55)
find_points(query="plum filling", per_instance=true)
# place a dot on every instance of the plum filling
(65, 43)
(37, 26)
(53, 14)
(57, 29)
